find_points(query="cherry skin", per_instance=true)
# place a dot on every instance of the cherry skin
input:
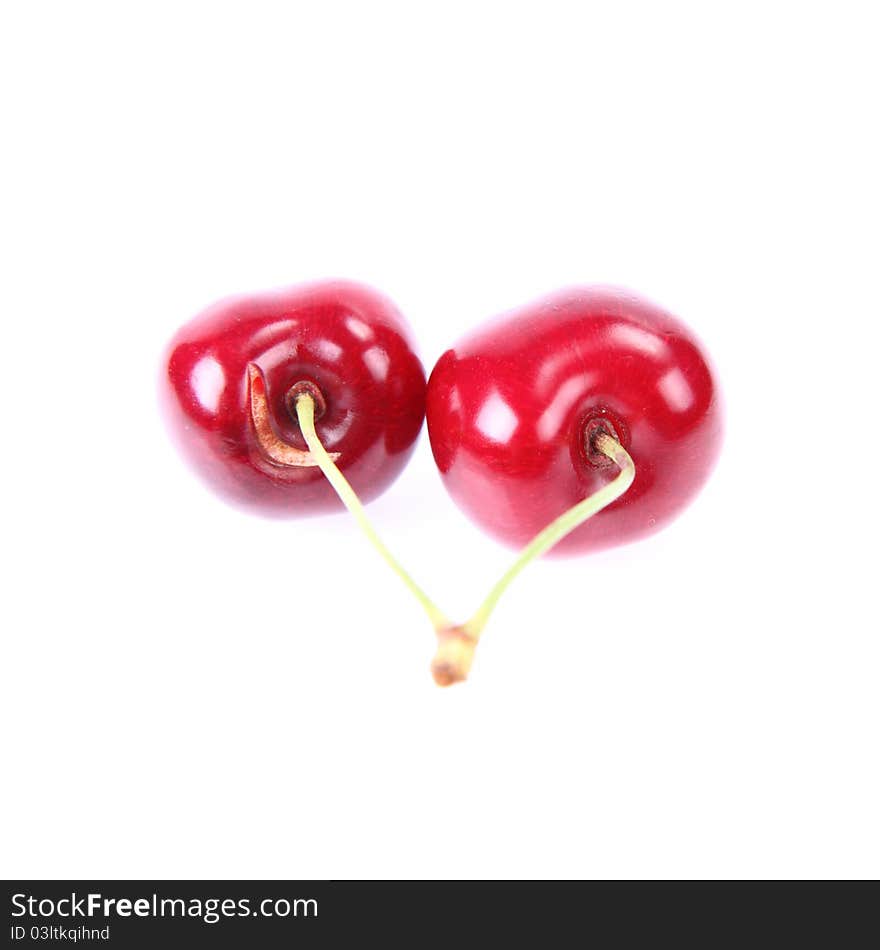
(232, 374)
(514, 410)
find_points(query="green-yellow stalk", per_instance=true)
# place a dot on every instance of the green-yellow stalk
(456, 645)
(305, 414)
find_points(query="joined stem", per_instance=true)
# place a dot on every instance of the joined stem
(456, 642)
(305, 414)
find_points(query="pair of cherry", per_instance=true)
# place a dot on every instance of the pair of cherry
(586, 419)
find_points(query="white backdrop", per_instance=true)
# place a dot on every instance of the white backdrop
(179, 699)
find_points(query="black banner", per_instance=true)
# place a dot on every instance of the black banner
(267, 914)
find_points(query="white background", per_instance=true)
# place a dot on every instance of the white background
(183, 696)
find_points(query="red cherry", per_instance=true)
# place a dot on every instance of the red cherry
(515, 408)
(233, 374)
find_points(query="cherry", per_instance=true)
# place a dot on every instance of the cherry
(235, 373)
(514, 410)
(588, 404)
(248, 383)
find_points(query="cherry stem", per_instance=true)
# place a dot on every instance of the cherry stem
(456, 645)
(305, 414)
